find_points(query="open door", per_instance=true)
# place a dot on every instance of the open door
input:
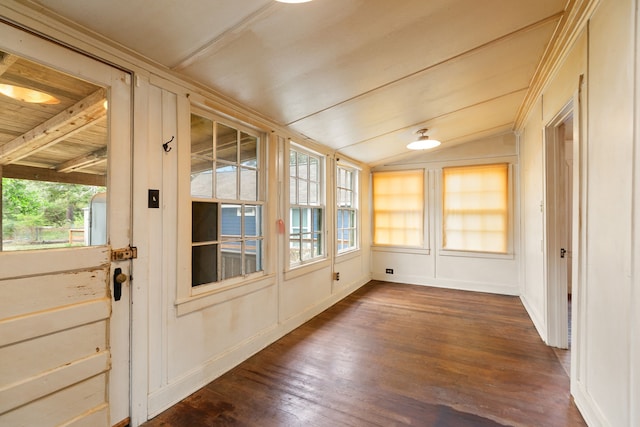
(65, 139)
(559, 143)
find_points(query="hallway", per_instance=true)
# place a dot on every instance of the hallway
(394, 354)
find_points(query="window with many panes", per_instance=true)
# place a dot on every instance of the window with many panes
(347, 208)
(226, 210)
(475, 213)
(398, 208)
(306, 206)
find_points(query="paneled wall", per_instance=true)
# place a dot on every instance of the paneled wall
(431, 265)
(604, 360)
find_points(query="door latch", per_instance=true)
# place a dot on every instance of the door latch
(563, 252)
(124, 254)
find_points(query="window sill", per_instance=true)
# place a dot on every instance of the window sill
(344, 256)
(401, 249)
(473, 254)
(213, 294)
(301, 270)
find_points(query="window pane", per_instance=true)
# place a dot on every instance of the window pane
(231, 254)
(201, 157)
(303, 192)
(253, 256)
(248, 184)
(231, 223)
(294, 249)
(475, 208)
(293, 164)
(253, 220)
(303, 165)
(226, 143)
(248, 150)
(314, 169)
(307, 246)
(398, 208)
(226, 182)
(204, 222)
(204, 264)
(314, 193)
(293, 191)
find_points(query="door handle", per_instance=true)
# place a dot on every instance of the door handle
(563, 251)
(118, 279)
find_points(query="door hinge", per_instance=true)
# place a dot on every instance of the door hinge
(124, 254)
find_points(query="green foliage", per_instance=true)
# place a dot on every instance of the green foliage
(29, 204)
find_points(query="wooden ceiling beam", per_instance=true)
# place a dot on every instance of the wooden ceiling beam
(58, 128)
(85, 161)
(49, 175)
(6, 61)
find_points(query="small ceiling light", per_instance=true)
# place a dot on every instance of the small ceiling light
(423, 142)
(27, 95)
(293, 1)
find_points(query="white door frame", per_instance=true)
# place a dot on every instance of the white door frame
(555, 226)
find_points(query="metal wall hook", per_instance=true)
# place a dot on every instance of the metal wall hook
(166, 145)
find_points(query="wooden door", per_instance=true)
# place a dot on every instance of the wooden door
(64, 342)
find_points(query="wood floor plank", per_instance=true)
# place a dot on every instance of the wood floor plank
(395, 355)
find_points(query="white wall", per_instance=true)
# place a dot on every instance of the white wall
(196, 336)
(431, 265)
(604, 359)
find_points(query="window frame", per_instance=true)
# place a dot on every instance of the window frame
(243, 205)
(319, 206)
(509, 229)
(353, 208)
(424, 246)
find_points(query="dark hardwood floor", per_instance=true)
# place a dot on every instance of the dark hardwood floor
(395, 355)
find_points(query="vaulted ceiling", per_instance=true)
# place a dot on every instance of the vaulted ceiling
(359, 76)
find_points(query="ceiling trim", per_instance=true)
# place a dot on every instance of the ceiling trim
(569, 28)
(226, 37)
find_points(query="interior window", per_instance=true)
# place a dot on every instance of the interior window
(347, 208)
(306, 206)
(53, 158)
(476, 208)
(226, 213)
(398, 208)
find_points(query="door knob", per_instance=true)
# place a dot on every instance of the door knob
(118, 279)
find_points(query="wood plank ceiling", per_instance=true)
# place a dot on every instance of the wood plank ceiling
(359, 76)
(64, 140)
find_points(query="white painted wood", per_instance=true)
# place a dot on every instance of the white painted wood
(26, 295)
(82, 404)
(119, 205)
(24, 359)
(53, 319)
(557, 225)
(145, 155)
(56, 297)
(47, 382)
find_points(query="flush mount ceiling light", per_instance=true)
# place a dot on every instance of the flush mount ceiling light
(293, 1)
(423, 142)
(27, 95)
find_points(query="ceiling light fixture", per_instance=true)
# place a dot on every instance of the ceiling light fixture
(423, 142)
(293, 1)
(27, 95)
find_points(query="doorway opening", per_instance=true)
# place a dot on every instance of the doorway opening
(559, 189)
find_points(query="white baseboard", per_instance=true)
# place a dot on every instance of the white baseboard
(535, 317)
(590, 411)
(492, 288)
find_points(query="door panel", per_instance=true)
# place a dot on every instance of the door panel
(64, 343)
